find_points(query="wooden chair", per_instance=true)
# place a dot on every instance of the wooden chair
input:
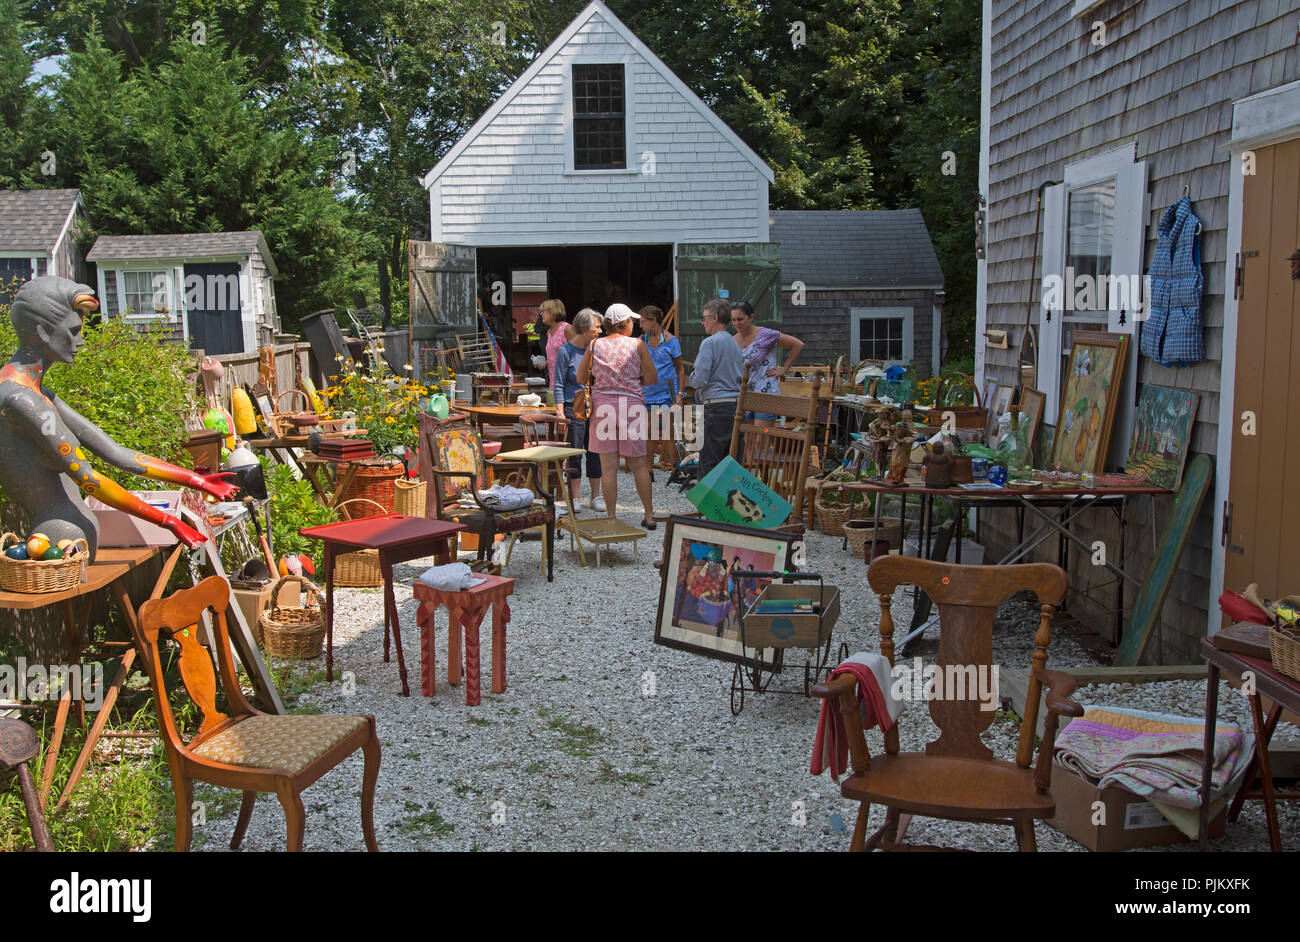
(453, 465)
(777, 455)
(251, 751)
(957, 777)
(476, 353)
(18, 746)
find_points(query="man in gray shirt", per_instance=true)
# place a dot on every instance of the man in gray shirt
(716, 380)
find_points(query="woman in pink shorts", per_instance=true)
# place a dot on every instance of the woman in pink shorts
(619, 366)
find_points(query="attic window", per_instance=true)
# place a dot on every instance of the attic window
(599, 118)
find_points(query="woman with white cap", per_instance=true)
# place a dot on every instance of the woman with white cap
(619, 367)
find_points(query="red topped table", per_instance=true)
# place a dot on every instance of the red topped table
(398, 539)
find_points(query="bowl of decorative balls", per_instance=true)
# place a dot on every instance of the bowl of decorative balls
(36, 564)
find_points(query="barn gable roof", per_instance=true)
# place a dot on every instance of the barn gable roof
(181, 245)
(33, 220)
(594, 9)
(855, 248)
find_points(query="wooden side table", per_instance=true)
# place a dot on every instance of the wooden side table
(465, 611)
(398, 539)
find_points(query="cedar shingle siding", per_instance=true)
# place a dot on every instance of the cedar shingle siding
(1166, 78)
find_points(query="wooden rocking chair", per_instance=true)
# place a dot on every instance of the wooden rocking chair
(777, 455)
(251, 751)
(957, 777)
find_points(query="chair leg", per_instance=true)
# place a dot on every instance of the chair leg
(184, 790)
(369, 777)
(510, 548)
(241, 825)
(860, 827)
(1025, 835)
(295, 817)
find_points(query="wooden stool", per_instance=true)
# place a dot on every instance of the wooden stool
(465, 610)
(18, 746)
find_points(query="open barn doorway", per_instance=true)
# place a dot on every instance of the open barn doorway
(514, 280)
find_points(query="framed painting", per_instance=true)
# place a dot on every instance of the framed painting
(1043, 454)
(1162, 431)
(1089, 394)
(1032, 404)
(1000, 404)
(261, 397)
(990, 391)
(700, 602)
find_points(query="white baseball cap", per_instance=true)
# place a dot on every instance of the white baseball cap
(617, 313)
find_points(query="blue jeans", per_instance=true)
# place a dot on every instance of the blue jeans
(577, 438)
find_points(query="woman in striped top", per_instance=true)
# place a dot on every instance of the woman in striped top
(619, 367)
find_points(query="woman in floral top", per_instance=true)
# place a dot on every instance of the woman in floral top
(759, 346)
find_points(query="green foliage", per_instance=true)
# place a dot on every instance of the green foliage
(132, 385)
(294, 505)
(388, 408)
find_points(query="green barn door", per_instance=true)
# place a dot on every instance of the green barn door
(737, 271)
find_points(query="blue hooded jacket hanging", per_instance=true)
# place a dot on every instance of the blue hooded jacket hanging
(1173, 334)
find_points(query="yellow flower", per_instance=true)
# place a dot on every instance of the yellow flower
(390, 420)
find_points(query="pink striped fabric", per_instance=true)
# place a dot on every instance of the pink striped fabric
(616, 367)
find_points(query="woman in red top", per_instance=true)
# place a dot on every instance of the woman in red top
(618, 367)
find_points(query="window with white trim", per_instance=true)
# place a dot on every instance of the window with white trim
(1094, 238)
(881, 333)
(145, 294)
(599, 117)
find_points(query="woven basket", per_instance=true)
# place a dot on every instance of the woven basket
(41, 575)
(296, 633)
(408, 497)
(833, 512)
(860, 533)
(283, 423)
(359, 570)
(375, 482)
(1284, 643)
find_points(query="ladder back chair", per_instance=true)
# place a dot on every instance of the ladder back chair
(248, 750)
(957, 777)
(777, 455)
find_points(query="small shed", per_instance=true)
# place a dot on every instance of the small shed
(38, 236)
(860, 284)
(215, 291)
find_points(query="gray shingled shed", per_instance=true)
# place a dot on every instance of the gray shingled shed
(38, 235)
(214, 290)
(859, 284)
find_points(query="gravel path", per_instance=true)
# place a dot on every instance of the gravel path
(573, 757)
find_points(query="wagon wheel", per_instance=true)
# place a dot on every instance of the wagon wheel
(844, 651)
(737, 691)
(813, 674)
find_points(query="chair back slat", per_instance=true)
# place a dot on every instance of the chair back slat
(776, 455)
(967, 598)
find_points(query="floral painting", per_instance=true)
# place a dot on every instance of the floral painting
(1088, 399)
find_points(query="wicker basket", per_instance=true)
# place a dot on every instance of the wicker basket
(860, 533)
(296, 633)
(289, 423)
(1284, 643)
(833, 512)
(359, 570)
(409, 497)
(375, 482)
(41, 575)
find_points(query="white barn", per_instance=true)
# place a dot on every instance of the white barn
(597, 176)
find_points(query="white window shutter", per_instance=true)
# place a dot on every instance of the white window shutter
(1127, 260)
(1049, 321)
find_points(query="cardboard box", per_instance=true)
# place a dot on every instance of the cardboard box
(252, 602)
(119, 528)
(730, 494)
(1130, 821)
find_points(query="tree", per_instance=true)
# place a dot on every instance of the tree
(21, 109)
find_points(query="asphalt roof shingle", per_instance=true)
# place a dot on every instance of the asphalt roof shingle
(854, 248)
(33, 219)
(180, 245)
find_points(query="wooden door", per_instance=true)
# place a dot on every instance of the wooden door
(443, 298)
(739, 271)
(216, 321)
(1262, 520)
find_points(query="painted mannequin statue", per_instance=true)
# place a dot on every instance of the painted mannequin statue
(42, 464)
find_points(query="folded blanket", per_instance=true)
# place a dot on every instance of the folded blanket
(504, 497)
(452, 577)
(875, 700)
(1155, 755)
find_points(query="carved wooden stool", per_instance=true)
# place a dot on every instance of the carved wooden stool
(465, 611)
(19, 745)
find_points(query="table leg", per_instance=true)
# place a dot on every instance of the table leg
(454, 628)
(1207, 765)
(428, 658)
(472, 691)
(442, 555)
(390, 607)
(52, 754)
(329, 611)
(1265, 773)
(500, 618)
(101, 718)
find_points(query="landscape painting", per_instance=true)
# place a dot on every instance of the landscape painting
(1162, 431)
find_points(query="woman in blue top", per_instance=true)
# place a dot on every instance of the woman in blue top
(586, 328)
(666, 354)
